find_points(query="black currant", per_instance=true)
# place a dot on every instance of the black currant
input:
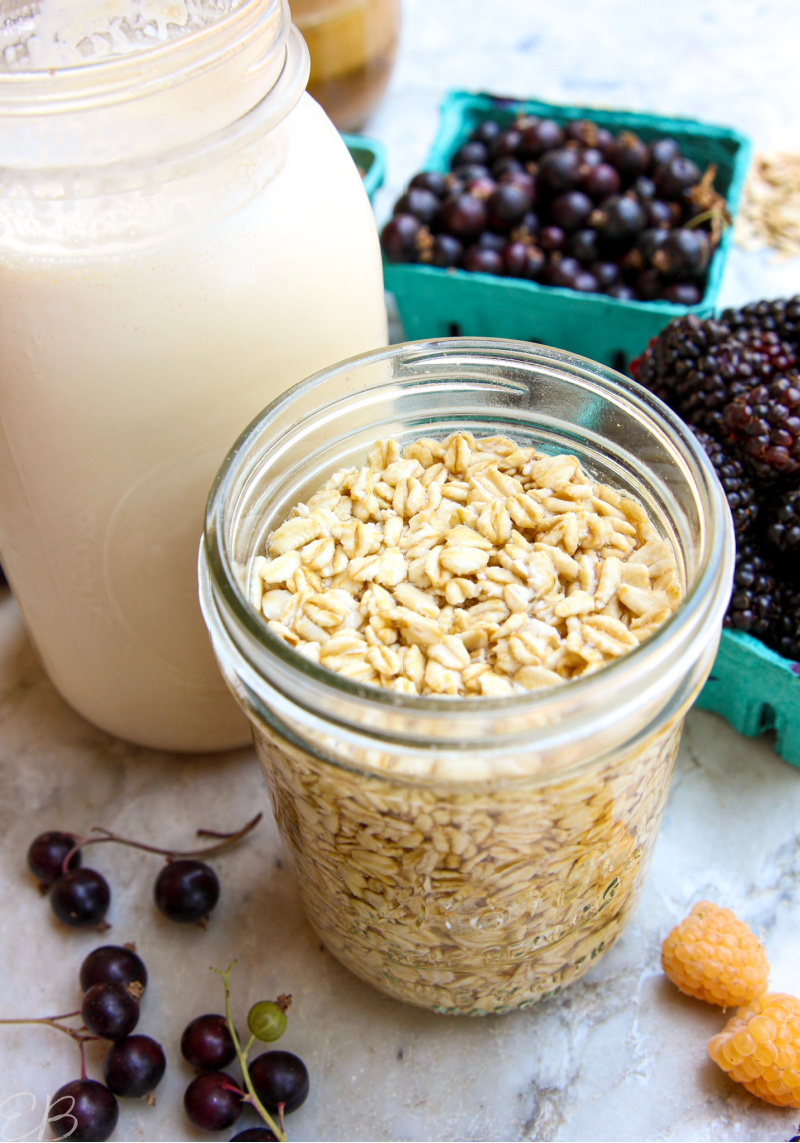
(422, 204)
(521, 179)
(560, 170)
(585, 283)
(207, 1043)
(134, 1066)
(186, 890)
(515, 257)
(684, 253)
(675, 176)
(471, 171)
(505, 144)
(662, 214)
(600, 182)
(543, 135)
(649, 285)
(212, 1101)
(606, 273)
(552, 238)
(590, 158)
(80, 898)
(112, 964)
(46, 855)
(645, 189)
(650, 240)
(110, 1011)
(83, 1110)
(507, 166)
(582, 131)
(570, 210)
(662, 150)
(483, 260)
(445, 251)
(430, 181)
(463, 216)
(629, 155)
(491, 241)
(623, 218)
(399, 238)
(564, 272)
(583, 246)
(486, 132)
(682, 294)
(279, 1077)
(621, 291)
(507, 206)
(473, 151)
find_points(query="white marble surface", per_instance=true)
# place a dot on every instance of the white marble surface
(620, 1055)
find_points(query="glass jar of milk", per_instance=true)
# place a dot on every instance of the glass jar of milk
(183, 236)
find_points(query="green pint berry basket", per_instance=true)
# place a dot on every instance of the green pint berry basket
(438, 303)
(755, 690)
(370, 158)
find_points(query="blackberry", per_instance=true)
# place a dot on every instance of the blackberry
(699, 367)
(739, 491)
(784, 635)
(765, 426)
(755, 602)
(680, 367)
(783, 522)
(781, 316)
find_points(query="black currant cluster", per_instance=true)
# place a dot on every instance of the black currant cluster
(735, 380)
(571, 206)
(186, 889)
(113, 980)
(275, 1083)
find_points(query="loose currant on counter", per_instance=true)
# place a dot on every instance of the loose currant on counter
(186, 890)
(113, 979)
(275, 1083)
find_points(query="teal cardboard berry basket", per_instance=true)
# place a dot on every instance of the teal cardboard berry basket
(755, 690)
(370, 158)
(437, 303)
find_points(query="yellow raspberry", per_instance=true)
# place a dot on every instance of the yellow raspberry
(760, 1048)
(715, 957)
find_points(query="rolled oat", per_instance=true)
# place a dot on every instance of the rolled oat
(504, 568)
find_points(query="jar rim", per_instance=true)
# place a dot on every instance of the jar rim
(144, 105)
(181, 161)
(698, 613)
(118, 68)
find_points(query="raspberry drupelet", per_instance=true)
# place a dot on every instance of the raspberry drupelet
(759, 1047)
(715, 957)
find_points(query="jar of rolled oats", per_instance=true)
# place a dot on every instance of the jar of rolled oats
(465, 592)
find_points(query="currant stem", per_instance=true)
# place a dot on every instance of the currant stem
(79, 1035)
(228, 839)
(252, 1097)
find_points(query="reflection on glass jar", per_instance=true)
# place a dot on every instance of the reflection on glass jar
(353, 44)
(468, 854)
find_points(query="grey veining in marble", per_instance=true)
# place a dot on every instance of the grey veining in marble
(619, 1056)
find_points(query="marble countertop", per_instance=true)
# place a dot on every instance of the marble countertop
(620, 1055)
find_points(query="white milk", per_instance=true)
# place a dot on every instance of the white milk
(127, 369)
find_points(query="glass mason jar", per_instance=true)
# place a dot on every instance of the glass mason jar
(353, 45)
(469, 855)
(183, 236)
